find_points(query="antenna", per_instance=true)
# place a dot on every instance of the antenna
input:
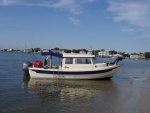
(91, 48)
(25, 46)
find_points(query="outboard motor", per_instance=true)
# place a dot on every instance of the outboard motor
(26, 65)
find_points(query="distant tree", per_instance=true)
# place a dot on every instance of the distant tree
(112, 52)
(82, 50)
(75, 51)
(67, 51)
(32, 49)
(102, 50)
(126, 55)
(141, 53)
(95, 52)
(36, 49)
(147, 55)
(134, 53)
(56, 48)
(85, 50)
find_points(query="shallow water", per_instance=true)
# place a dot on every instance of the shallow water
(127, 92)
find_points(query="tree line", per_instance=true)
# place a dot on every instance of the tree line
(94, 52)
(111, 52)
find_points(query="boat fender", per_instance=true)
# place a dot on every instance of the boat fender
(37, 64)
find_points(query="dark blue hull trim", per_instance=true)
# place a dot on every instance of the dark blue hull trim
(73, 72)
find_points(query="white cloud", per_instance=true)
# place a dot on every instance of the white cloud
(134, 12)
(70, 5)
(73, 6)
(9, 2)
(74, 21)
(128, 29)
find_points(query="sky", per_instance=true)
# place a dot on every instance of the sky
(121, 25)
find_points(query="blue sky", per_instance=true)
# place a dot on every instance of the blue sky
(121, 25)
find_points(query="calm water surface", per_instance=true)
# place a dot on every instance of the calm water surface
(127, 92)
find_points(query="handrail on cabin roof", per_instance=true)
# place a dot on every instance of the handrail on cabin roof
(52, 54)
(60, 55)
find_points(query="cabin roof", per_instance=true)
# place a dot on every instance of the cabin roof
(75, 55)
(64, 55)
(52, 54)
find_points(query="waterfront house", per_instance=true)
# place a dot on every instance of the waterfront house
(28, 50)
(103, 54)
(89, 52)
(135, 56)
(141, 56)
(82, 52)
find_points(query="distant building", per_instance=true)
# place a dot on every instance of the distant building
(37, 50)
(56, 51)
(103, 54)
(62, 51)
(137, 56)
(45, 50)
(82, 52)
(89, 52)
(134, 56)
(141, 56)
(28, 50)
(9, 49)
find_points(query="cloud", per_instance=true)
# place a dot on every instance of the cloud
(128, 29)
(136, 13)
(69, 5)
(133, 13)
(74, 21)
(9, 2)
(72, 6)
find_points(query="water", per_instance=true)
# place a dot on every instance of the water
(127, 92)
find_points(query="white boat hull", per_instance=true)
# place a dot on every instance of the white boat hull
(57, 74)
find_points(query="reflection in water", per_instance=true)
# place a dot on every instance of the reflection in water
(71, 89)
(26, 78)
(88, 96)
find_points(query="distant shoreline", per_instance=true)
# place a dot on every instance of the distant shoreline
(79, 53)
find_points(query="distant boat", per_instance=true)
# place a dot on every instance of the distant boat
(72, 66)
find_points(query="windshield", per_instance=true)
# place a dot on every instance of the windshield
(102, 60)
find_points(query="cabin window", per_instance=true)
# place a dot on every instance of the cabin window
(69, 61)
(83, 61)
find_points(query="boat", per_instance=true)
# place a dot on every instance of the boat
(71, 66)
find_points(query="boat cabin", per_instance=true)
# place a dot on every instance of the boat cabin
(71, 61)
(77, 61)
